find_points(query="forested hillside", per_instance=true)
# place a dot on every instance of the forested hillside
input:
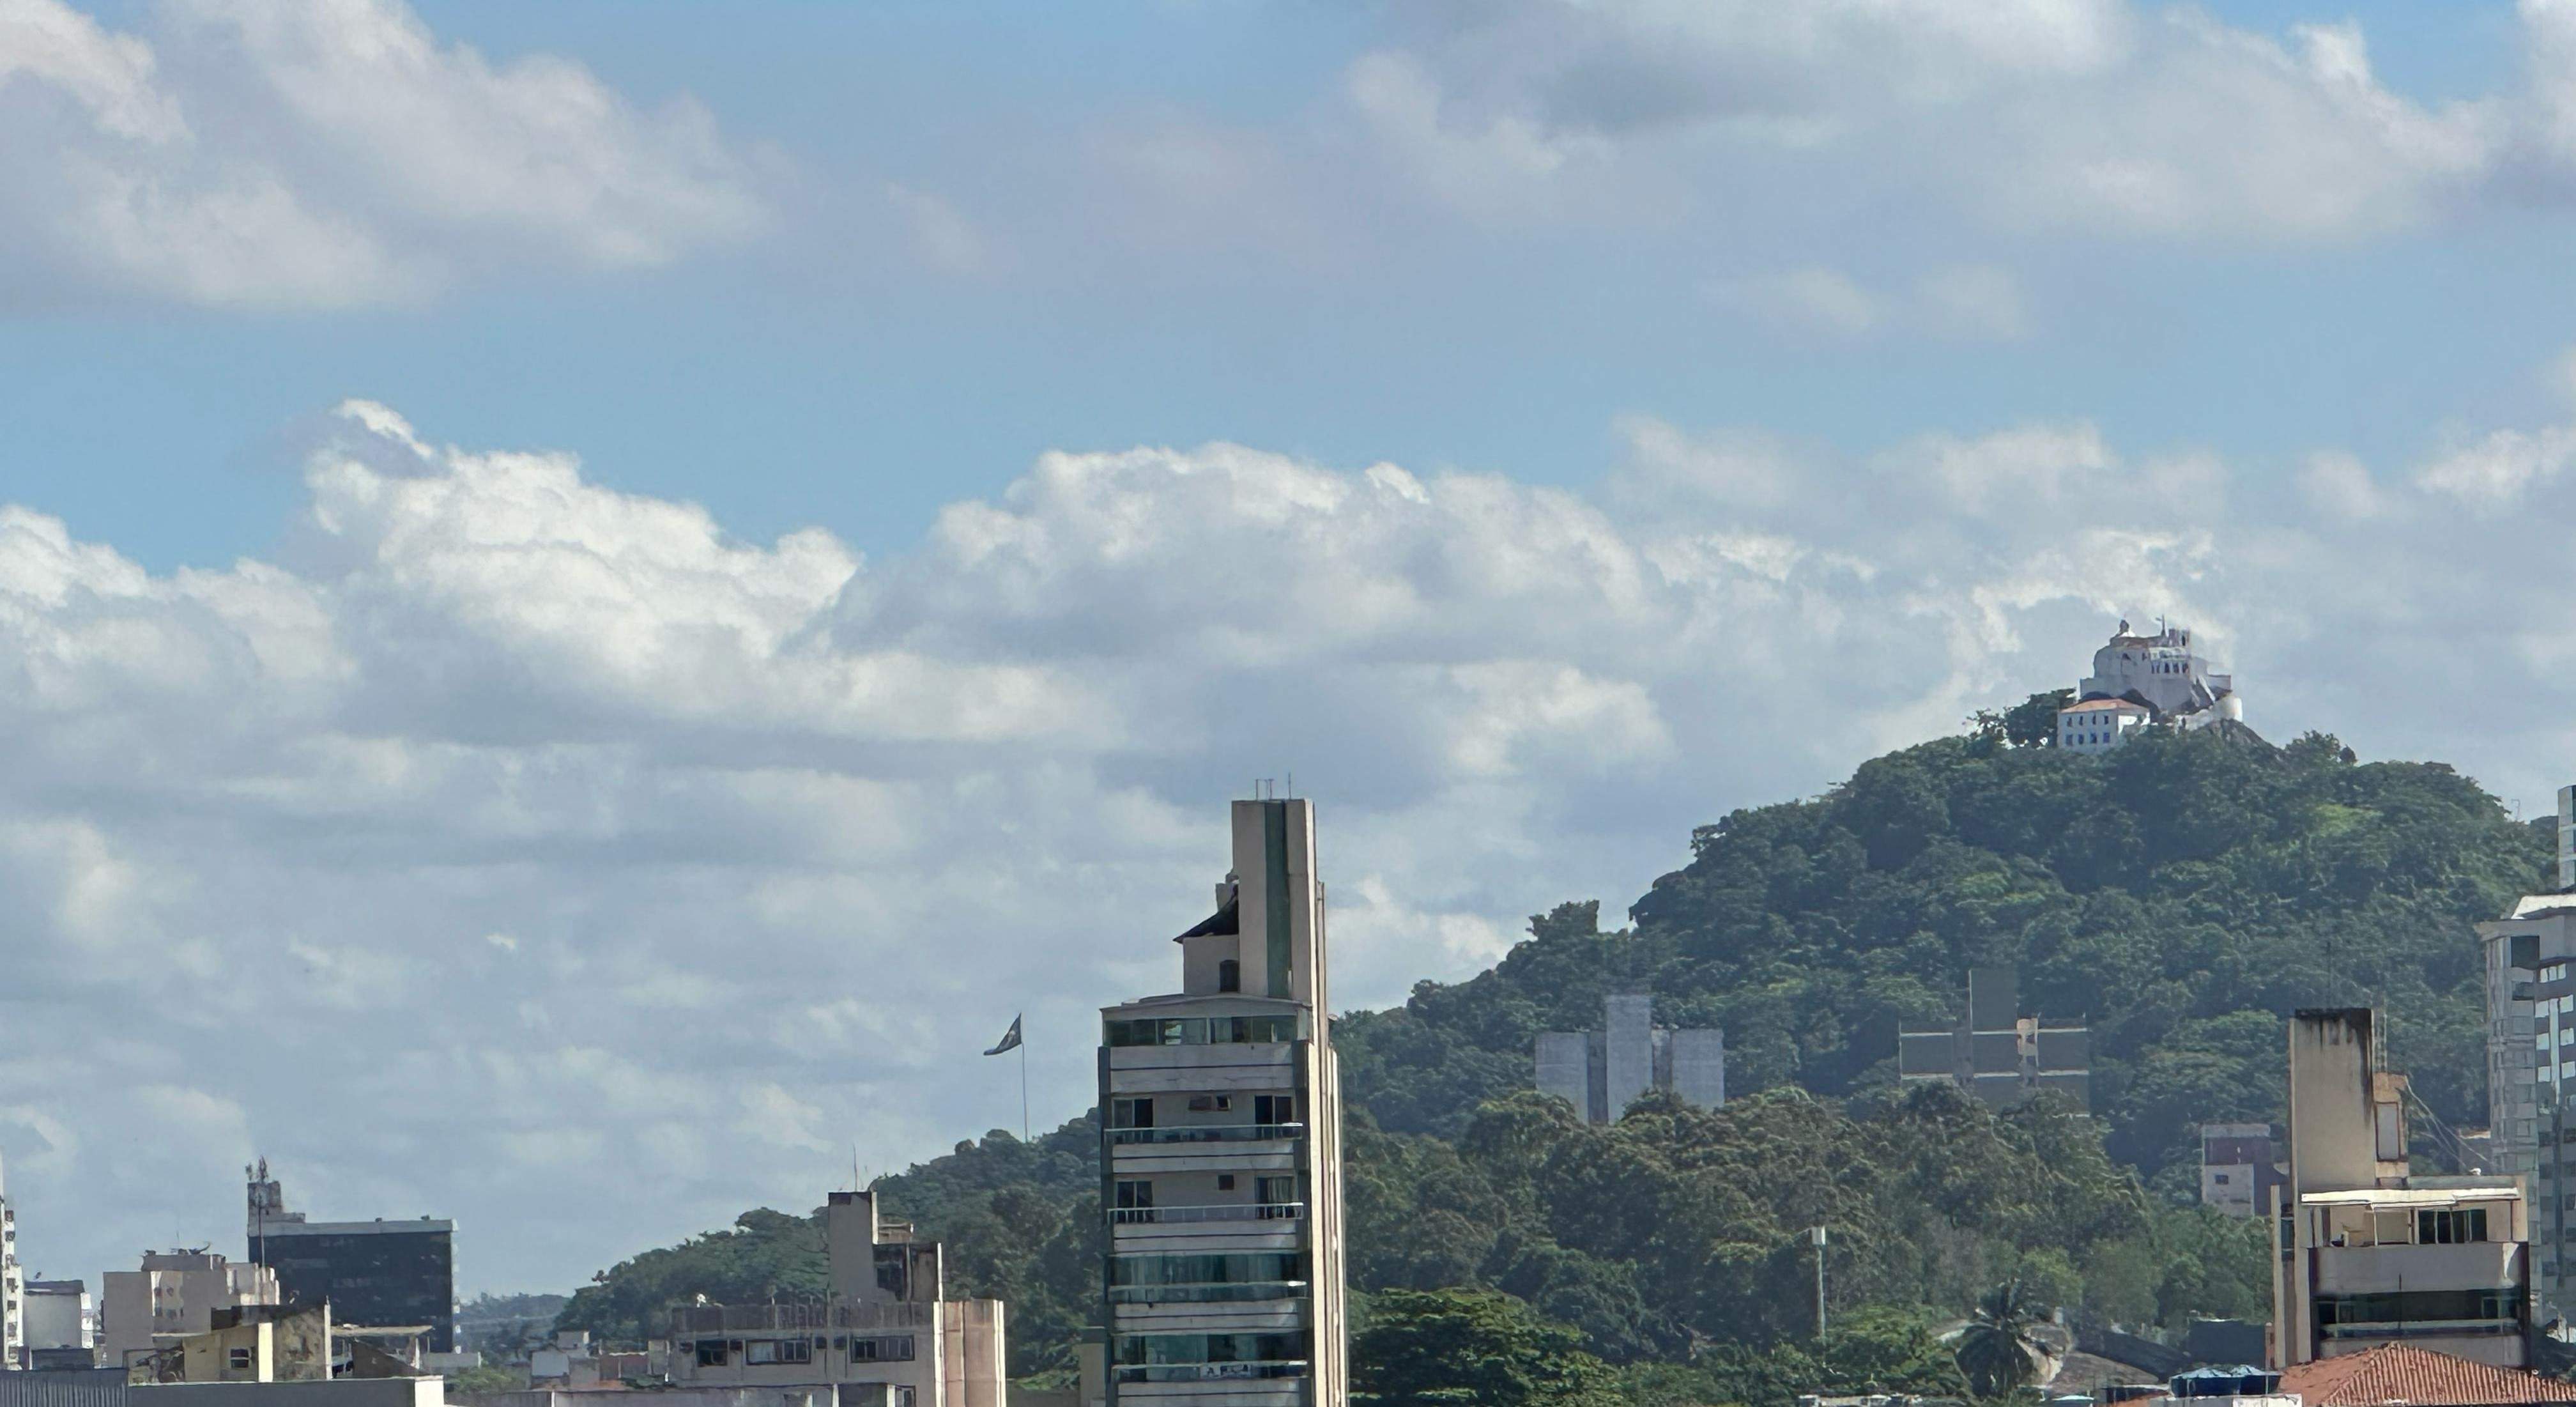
(2181, 894)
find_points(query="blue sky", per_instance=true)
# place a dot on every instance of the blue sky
(520, 524)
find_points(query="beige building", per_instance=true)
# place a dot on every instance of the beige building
(888, 1333)
(1222, 1176)
(2370, 1253)
(175, 1293)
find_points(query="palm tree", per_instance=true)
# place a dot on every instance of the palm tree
(1997, 1351)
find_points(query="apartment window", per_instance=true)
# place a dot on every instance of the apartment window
(1211, 1103)
(2218, 1178)
(1274, 1108)
(2450, 1226)
(711, 1353)
(1225, 1182)
(1229, 975)
(1273, 1192)
(1136, 1197)
(1131, 1113)
(893, 1348)
(760, 1351)
(237, 1359)
(795, 1350)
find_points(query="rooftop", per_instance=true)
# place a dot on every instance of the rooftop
(2420, 1377)
(2104, 706)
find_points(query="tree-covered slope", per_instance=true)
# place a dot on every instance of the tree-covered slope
(2181, 894)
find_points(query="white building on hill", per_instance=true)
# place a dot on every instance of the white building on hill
(2142, 679)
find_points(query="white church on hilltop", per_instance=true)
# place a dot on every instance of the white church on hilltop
(2143, 679)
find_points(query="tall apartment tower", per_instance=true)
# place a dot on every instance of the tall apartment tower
(1221, 1173)
(13, 1296)
(1602, 1072)
(2531, 1076)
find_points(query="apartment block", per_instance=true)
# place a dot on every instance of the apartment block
(1602, 1072)
(175, 1294)
(1995, 1053)
(888, 1335)
(13, 1309)
(2371, 1254)
(2240, 1165)
(377, 1273)
(1221, 1171)
(61, 1325)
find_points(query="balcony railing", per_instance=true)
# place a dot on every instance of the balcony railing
(1205, 1372)
(1207, 1294)
(734, 1318)
(1230, 1211)
(1208, 1133)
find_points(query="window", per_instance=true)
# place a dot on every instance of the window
(761, 1351)
(795, 1350)
(2218, 1178)
(1252, 1268)
(1131, 1113)
(893, 1348)
(1225, 1182)
(1274, 1194)
(1211, 1103)
(711, 1353)
(1274, 1108)
(1137, 1196)
(1229, 975)
(237, 1359)
(2449, 1226)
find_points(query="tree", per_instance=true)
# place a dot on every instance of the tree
(1997, 1351)
(2033, 721)
(1470, 1348)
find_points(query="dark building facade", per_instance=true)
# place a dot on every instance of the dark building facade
(374, 1274)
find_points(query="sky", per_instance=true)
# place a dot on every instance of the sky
(593, 597)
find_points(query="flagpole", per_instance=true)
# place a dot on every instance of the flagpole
(1024, 1089)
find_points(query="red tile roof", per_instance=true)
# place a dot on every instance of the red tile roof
(2418, 1377)
(2096, 705)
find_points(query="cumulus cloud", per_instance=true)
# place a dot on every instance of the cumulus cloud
(329, 153)
(590, 844)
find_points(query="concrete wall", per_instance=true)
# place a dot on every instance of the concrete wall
(1628, 1035)
(1565, 1069)
(2333, 1139)
(1699, 1067)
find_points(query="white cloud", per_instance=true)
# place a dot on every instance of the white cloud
(328, 153)
(2340, 486)
(2495, 470)
(711, 857)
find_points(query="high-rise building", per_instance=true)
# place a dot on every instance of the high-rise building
(374, 1274)
(888, 1336)
(13, 1311)
(1602, 1072)
(1997, 1054)
(1221, 1173)
(2531, 1076)
(2369, 1252)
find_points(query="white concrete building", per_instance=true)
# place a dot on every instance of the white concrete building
(2369, 1254)
(1222, 1172)
(176, 1293)
(1602, 1072)
(2531, 1076)
(13, 1309)
(888, 1332)
(2142, 679)
(59, 1321)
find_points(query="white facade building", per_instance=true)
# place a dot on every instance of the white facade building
(1222, 1171)
(2531, 1075)
(13, 1309)
(1602, 1072)
(2370, 1254)
(2142, 679)
(888, 1334)
(59, 1318)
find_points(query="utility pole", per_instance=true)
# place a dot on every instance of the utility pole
(1816, 1238)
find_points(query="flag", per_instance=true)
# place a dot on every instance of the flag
(1010, 1039)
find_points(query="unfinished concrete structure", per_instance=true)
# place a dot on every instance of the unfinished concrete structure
(1995, 1053)
(1221, 1172)
(2370, 1254)
(1602, 1072)
(888, 1333)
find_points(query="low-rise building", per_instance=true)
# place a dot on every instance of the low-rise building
(1602, 1072)
(1995, 1053)
(2142, 679)
(888, 1324)
(175, 1293)
(2240, 1164)
(2371, 1254)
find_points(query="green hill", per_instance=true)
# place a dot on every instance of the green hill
(2181, 894)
